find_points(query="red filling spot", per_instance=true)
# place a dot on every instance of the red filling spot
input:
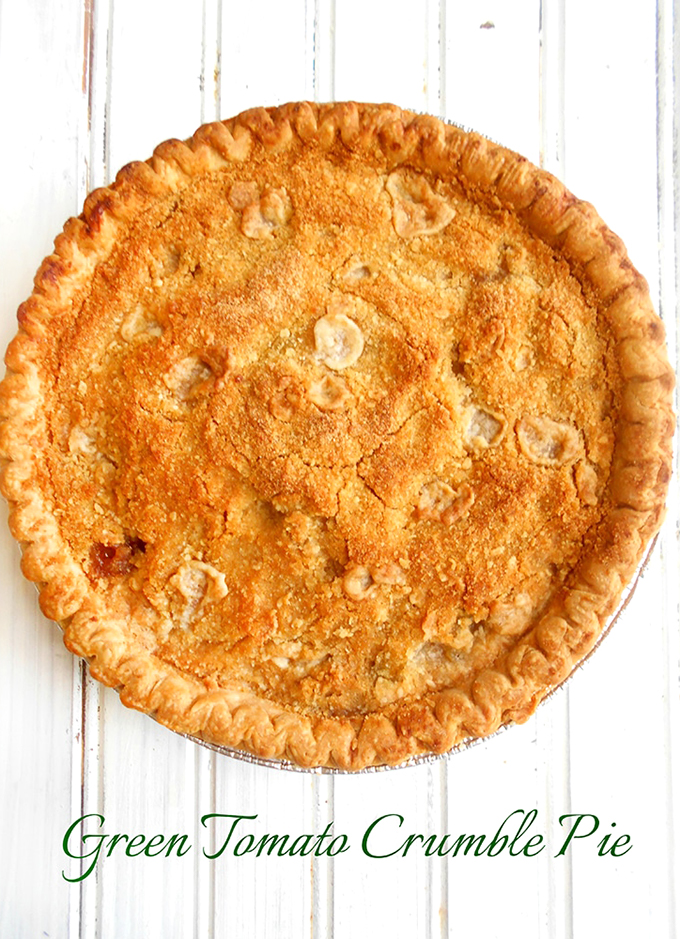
(111, 560)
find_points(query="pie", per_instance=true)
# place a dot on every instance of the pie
(334, 433)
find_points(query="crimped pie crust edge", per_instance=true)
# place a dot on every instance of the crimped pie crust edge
(560, 638)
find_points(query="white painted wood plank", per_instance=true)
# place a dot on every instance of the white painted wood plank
(435, 56)
(265, 54)
(492, 68)
(87, 763)
(396, 896)
(486, 785)
(322, 924)
(155, 87)
(159, 898)
(381, 52)
(552, 721)
(619, 717)
(41, 62)
(321, 13)
(668, 201)
(149, 786)
(610, 119)
(619, 774)
(204, 879)
(492, 84)
(211, 61)
(553, 794)
(266, 895)
(388, 52)
(129, 117)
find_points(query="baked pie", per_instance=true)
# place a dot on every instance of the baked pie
(334, 433)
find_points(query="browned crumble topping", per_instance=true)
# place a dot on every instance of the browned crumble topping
(360, 405)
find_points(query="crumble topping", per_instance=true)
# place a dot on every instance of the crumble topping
(336, 432)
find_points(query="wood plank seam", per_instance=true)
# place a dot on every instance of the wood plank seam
(557, 761)
(668, 261)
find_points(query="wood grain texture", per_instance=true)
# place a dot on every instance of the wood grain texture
(591, 95)
(611, 149)
(39, 168)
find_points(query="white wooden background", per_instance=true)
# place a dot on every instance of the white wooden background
(584, 87)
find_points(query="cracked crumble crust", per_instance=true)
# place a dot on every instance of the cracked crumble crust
(332, 441)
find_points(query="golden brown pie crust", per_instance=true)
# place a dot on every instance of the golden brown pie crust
(335, 433)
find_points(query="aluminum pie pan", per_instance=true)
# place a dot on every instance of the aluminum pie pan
(467, 744)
